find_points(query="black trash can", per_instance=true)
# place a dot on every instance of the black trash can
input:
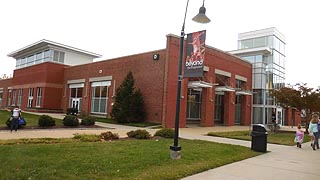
(259, 138)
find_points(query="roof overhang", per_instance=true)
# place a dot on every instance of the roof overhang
(46, 44)
(200, 84)
(259, 50)
(225, 89)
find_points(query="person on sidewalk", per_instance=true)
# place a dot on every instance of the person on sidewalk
(299, 136)
(16, 114)
(313, 128)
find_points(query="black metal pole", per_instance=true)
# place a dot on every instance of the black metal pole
(176, 146)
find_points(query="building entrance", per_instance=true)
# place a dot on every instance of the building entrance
(194, 104)
(219, 109)
(75, 103)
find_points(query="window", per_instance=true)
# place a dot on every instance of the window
(9, 97)
(39, 57)
(58, 56)
(14, 97)
(99, 97)
(47, 55)
(259, 42)
(61, 57)
(30, 60)
(19, 97)
(194, 105)
(39, 95)
(30, 97)
(245, 44)
(1, 93)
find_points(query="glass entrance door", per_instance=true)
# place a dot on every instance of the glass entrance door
(238, 110)
(194, 105)
(75, 103)
(219, 109)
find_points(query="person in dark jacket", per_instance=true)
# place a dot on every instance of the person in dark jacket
(16, 114)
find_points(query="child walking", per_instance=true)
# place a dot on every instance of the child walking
(299, 136)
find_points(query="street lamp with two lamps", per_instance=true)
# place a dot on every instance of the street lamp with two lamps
(200, 18)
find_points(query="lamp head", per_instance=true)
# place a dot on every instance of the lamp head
(201, 16)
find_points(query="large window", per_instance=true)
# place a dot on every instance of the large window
(99, 97)
(44, 56)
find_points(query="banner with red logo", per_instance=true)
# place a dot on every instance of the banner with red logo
(195, 54)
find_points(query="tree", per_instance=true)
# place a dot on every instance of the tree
(129, 103)
(299, 96)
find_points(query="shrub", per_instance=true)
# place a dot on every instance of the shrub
(88, 121)
(165, 132)
(109, 136)
(72, 111)
(70, 120)
(139, 134)
(46, 121)
(87, 137)
(129, 103)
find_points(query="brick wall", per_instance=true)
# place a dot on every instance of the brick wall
(148, 75)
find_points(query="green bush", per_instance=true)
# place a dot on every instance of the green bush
(109, 136)
(70, 120)
(165, 132)
(72, 111)
(87, 137)
(139, 134)
(88, 121)
(129, 103)
(46, 121)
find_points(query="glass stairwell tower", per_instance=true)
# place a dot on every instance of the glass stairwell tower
(265, 49)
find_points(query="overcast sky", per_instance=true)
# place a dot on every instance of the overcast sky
(124, 27)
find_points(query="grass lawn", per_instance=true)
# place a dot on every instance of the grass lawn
(283, 138)
(122, 159)
(31, 119)
(111, 121)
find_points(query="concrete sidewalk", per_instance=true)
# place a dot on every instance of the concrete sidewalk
(282, 163)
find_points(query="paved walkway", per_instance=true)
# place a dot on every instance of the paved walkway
(282, 163)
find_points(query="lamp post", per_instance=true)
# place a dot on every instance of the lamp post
(200, 18)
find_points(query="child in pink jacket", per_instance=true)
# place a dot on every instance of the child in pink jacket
(299, 136)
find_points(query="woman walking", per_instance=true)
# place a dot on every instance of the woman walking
(313, 128)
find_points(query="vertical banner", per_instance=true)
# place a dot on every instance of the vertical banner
(195, 54)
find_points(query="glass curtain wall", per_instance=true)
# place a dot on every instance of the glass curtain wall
(268, 74)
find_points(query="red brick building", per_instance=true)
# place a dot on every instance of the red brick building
(222, 96)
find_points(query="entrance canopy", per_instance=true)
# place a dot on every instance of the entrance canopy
(225, 89)
(200, 84)
(244, 93)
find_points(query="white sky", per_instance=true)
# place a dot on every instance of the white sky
(124, 27)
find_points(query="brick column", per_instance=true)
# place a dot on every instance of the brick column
(289, 117)
(246, 108)
(207, 106)
(229, 108)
